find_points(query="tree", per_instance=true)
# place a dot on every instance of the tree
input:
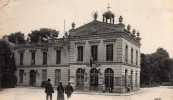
(17, 37)
(156, 67)
(7, 66)
(43, 35)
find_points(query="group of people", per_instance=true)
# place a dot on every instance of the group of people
(68, 90)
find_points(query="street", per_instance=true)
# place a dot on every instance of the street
(30, 93)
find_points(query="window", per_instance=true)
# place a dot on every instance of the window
(136, 79)
(126, 54)
(21, 58)
(80, 53)
(94, 52)
(58, 56)
(57, 76)
(44, 75)
(131, 55)
(109, 79)
(131, 80)
(21, 73)
(44, 58)
(109, 52)
(33, 58)
(136, 57)
(80, 78)
(126, 77)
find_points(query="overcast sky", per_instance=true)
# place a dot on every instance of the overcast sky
(152, 18)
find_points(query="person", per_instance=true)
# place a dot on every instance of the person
(60, 92)
(48, 89)
(69, 90)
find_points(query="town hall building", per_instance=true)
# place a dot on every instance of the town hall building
(98, 56)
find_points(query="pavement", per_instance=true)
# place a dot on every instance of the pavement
(30, 93)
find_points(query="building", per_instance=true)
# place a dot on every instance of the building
(100, 55)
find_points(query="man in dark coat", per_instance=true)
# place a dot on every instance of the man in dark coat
(69, 90)
(60, 91)
(48, 89)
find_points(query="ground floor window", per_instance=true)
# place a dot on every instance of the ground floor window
(131, 80)
(21, 73)
(109, 79)
(44, 75)
(80, 78)
(32, 77)
(57, 76)
(136, 79)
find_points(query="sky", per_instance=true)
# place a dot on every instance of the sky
(152, 18)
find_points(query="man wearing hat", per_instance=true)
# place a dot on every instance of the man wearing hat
(48, 89)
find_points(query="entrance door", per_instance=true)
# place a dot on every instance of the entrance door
(109, 79)
(94, 79)
(79, 78)
(32, 77)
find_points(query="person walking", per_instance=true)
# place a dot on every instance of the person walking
(60, 92)
(69, 90)
(49, 89)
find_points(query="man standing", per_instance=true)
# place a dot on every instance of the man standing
(60, 91)
(48, 89)
(68, 90)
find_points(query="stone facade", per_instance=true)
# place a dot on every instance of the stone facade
(119, 73)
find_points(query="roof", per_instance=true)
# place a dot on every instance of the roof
(97, 27)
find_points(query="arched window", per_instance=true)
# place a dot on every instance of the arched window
(109, 79)
(80, 78)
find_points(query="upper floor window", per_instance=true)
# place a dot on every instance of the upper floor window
(44, 58)
(80, 53)
(58, 56)
(109, 52)
(131, 55)
(136, 57)
(94, 52)
(21, 58)
(126, 54)
(33, 58)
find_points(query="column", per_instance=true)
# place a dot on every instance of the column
(86, 79)
(101, 80)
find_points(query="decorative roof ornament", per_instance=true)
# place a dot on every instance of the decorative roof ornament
(108, 16)
(128, 27)
(120, 19)
(73, 25)
(134, 32)
(138, 34)
(108, 7)
(95, 16)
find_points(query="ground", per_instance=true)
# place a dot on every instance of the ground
(29, 93)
